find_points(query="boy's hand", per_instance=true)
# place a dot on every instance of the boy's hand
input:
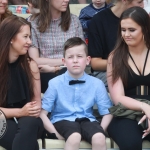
(59, 136)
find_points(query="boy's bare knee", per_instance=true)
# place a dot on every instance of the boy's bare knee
(74, 139)
(98, 139)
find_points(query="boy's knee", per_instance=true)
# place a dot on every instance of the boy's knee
(74, 139)
(98, 139)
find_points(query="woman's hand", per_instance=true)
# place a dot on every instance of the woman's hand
(30, 109)
(145, 109)
(147, 131)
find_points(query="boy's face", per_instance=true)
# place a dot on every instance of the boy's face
(98, 3)
(76, 60)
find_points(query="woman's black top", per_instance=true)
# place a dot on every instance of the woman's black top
(18, 86)
(138, 86)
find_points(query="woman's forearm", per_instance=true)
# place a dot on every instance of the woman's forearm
(48, 61)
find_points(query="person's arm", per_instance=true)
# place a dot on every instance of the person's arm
(47, 68)
(48, 102)
(36, 82)
(117, 93)
(48, 125)
(103, 102)
(95, 44)
(105, 121)
(30, 109)
(99, 64)
(34, 54)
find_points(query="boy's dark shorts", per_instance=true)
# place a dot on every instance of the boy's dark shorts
(82, 126)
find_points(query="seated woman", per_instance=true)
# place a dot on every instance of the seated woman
(128, 76)
(4, 12)
(20, 94)
(51, 28)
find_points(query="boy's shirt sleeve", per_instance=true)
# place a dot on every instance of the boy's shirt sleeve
(103, 100)
(49, 97)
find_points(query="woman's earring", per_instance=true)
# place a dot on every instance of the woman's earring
(11, 42)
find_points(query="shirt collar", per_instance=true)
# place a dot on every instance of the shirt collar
(68, 77)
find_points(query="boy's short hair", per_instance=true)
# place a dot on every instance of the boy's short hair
(75, 41)
(35, 3)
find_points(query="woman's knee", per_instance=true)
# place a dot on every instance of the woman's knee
(98, 139)
(30, 122)
(74, 139)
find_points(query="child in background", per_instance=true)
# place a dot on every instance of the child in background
(70, 98)
(33, 6)
(89, 11)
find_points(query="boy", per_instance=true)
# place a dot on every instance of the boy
(70, 98)
(88, 12)
(33, 6)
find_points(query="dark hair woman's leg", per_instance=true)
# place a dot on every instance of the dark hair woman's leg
(7, 140)
(126, 133)
(29, 130)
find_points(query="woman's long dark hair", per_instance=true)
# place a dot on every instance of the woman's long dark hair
(9, 28)
(45, 17)
(120, 64)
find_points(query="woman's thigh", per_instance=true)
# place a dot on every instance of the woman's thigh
(126, 133)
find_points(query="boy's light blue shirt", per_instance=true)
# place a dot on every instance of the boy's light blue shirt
(68, 102)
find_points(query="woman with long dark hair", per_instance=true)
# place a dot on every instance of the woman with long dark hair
(20, 94)
(128, 76)
(51, 28)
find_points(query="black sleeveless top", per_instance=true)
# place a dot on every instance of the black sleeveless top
(18, 91)
(138, 86)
